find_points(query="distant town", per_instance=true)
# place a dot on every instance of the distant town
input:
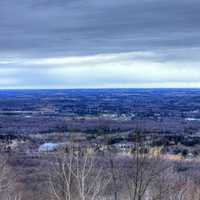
(167, 118)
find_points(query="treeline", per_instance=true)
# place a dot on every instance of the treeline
(79, 175)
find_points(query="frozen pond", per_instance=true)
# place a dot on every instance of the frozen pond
(48, 146)
(192, 119)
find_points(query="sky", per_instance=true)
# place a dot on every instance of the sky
(48, 44)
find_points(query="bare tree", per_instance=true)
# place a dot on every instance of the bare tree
(61, 177)
(76, 176)
(7, 182)
(168, 186)
(142, 172)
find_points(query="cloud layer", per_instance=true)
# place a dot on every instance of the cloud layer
(92, 43)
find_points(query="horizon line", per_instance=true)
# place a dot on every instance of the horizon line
(104, 88)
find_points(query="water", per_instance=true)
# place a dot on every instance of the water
(192, 119)
(48, 146)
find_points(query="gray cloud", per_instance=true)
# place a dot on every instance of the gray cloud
(33, 31)
(66, 27)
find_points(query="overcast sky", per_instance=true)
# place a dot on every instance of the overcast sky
(99, 43)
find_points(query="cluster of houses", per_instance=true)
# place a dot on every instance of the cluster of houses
(98, 145)
(122, 148)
